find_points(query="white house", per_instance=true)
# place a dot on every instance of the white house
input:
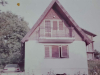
(56, 44)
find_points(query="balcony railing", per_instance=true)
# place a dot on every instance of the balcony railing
(56, 32)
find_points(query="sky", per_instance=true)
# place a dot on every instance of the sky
(86, 13)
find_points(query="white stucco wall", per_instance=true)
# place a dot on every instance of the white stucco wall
(35, 59)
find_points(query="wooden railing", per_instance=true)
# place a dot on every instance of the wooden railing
(51, 32)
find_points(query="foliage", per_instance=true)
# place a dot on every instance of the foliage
(12, 29)
(97, 54)
(3, 2)
(94, 67)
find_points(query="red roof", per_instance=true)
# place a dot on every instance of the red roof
(56, 5)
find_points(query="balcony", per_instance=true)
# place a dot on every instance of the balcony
(56, 35)
(90, 51)
(90, 48)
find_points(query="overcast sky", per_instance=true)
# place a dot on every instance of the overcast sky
(86, 13)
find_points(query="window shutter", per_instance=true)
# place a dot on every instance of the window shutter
(54, 25)
(60, 25)
(47, 54)
(47, 26)
(64, 51)
(55, 51)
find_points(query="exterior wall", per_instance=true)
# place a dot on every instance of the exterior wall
(77, 37)
(50, 16)
(34, 35)
(35, 59)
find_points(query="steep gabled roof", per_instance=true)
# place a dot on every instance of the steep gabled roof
(55, 4)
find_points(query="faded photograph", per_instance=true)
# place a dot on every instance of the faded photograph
(49, 37)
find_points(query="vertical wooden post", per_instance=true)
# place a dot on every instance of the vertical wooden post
(71, 31)
(93, 50)
(92, 47)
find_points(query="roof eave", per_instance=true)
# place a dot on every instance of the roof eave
(88, 32)
(87, 40)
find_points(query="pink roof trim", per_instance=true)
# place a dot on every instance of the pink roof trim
(89, 33)
(86, 39)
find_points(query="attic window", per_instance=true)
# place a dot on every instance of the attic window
(57, 25)
(47, 26)
(54, 25)
(60, 25)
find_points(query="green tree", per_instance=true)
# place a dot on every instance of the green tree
(3, 2)
(12, 29)
(97, 54)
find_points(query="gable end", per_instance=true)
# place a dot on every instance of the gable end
(56, 5)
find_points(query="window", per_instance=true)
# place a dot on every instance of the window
(56, 51)
(60, 25)
(47, 26)
(47, 51)
(54, 25)
(53, 28)
(47, 34)
(64, 51)
(47, 29)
